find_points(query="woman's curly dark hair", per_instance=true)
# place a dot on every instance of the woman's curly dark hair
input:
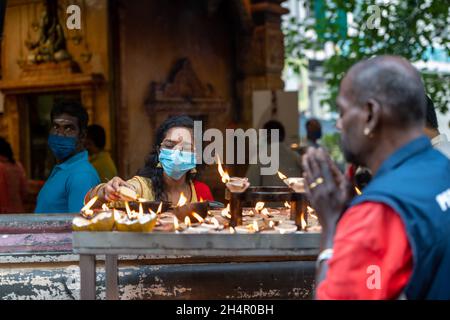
(150, 169)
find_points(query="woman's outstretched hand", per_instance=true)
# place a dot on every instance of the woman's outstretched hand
(110, 191)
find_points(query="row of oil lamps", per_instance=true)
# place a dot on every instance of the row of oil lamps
(258, 219)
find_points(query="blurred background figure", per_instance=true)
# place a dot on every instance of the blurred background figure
(12, 181)
(289, 160)
(438, 140)
(99, 158)
(313, 132)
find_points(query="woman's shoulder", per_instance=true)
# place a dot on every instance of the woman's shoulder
(202, 190)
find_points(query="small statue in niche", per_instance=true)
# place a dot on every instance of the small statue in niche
(51, 46)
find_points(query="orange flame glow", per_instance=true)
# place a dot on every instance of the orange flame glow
(255, 226)
(182, 200)
(265, 212)
(223, 174)
(187, 222)
(198, 217)
(259, 206)
(303, 222)
(159, 208)
(215, 222)
(89, 204)
(282, 176)
(127, 208)
(358, 192)
(287, 205)
(226, 212)
(176, 225)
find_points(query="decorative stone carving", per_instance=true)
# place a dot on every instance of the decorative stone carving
(182, 84)
(51, 45)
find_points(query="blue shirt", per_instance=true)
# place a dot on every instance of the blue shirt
(67, 185)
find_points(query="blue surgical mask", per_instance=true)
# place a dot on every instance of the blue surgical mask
(176, 163)
(61, 146)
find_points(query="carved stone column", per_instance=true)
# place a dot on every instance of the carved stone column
(263, 59)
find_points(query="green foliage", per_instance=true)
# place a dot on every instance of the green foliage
(331, 142)
(404, 27)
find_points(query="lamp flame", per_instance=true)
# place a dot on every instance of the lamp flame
(187, 222)
(287, 205)
(198, 217)
(159, 208)
(176, 225)
(131, 214)
(303, 222)
(182, 200)
(358, 192)
(226, 212)
(215, 222)
(265, 212)
(282, 176)
(224, 175)
(89, 204)
(105, 207)
(259, 206)
(271, 224)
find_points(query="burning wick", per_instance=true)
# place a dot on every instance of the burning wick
(232, 230)
(176, 226)
(182, 200)
(271, 224)
(223, 174)
(265, 212)
(259, 206)
(358, 192)
(141, 210)
(159, 208)
(89, 204)
(129, 213)
(216, 223)
(282, 176)
(303, 222)
(198, 217)
(226, 212)
(287, 205)
(187, 222)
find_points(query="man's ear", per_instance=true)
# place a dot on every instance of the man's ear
(373, 115)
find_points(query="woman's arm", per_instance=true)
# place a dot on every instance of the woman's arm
(107, 192)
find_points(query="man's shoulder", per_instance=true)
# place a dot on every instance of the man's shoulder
(81, 171)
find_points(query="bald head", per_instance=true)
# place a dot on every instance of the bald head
(394, 83)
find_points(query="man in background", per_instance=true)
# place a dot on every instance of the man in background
(313, 132)
(99, 158)
(438, 140)
(73, 175)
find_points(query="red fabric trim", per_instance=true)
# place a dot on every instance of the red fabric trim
(203, 191)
